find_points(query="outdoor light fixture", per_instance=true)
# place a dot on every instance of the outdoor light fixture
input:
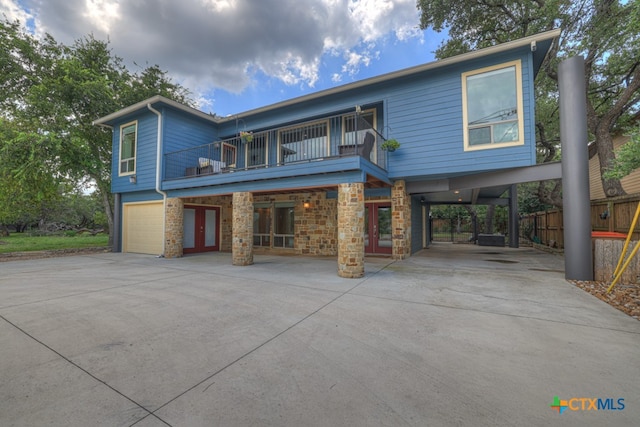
(306, 204)
(133, 179)
(456, 192)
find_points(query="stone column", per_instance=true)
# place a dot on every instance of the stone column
(242, 245)
(400, 221)
(351, 230)
(173, 228)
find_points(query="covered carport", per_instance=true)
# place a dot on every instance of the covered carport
(489, 188)
(574, 171)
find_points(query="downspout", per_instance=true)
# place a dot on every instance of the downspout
(158, 177)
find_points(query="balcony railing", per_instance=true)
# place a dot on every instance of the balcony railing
(322, 139)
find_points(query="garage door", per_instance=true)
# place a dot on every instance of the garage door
(142, 228)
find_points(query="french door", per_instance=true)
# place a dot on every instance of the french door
(377, 228)
(201, 229)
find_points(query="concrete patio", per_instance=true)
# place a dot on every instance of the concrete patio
(455, 335)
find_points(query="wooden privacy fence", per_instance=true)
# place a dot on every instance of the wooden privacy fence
(612, 215)
(544, 228)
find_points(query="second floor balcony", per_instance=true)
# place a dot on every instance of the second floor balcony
(326, 139)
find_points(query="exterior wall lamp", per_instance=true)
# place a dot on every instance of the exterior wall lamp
(133, 179)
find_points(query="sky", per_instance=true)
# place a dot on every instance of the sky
(236, 55)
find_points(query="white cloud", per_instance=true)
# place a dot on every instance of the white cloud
(221, 42)
(102, 13)
(13, 11)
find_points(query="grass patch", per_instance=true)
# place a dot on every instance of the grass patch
(18, 242)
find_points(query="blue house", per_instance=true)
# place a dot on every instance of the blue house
(311, 175)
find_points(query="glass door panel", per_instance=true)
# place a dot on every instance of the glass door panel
(189, 229)
(210, 227)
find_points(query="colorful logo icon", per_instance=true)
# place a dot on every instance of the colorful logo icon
(559, 405)
(587, 404)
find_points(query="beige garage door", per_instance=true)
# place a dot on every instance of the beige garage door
(142, 228)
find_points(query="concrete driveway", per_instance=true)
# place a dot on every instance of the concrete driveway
(456, 335)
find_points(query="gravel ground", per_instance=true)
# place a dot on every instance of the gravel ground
(624, 297)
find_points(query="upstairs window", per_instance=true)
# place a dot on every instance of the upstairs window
(128, 142)
(492, 107)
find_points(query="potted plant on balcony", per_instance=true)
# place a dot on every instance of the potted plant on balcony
(390, 145)
(246, 136)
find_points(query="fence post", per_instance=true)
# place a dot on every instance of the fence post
(451, 228)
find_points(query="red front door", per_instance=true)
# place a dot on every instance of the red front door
(201, 229)
(377, 228)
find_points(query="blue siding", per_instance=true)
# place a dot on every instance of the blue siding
(290, 183)
(416, 225)
(140, 196)
(425, 114)
(182, 131)
(423, 111)
(314, 174)
(426, 117)
(145, 156)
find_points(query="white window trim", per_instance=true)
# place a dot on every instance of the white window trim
(135, 157)
(302, 125)
(520, 103)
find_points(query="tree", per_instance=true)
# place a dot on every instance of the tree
(628, 158)
(56, 90)
(605, 32)
(27, 185)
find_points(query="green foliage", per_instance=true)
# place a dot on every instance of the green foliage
(51, 94)
(28, 186)
(390, 145)
(528, 200)
(26, 243)
(628, 157)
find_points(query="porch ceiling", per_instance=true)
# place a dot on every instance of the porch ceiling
(481, 188)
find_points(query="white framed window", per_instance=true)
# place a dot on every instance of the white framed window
(283, 225)
(274, 225)
(128, 148)
(492, 107)
(305, 142)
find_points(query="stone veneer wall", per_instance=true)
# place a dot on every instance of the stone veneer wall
(400, 221)
(315, 227)
(242, 240)
(351, 230)
(173, 235)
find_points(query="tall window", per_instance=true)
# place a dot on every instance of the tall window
(492, 107)
(128, 141)
(262, 225)
(284, 227)
(274, 225)
(304, 142)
